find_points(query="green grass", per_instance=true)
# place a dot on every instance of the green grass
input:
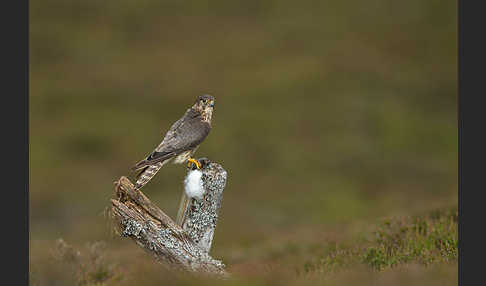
(423, 240)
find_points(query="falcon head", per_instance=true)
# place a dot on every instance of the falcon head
(204, 105)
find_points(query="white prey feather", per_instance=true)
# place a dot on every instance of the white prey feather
(193, 185)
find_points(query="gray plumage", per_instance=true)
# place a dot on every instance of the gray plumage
(180, 142)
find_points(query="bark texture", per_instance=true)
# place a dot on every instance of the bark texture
(183, 247)
(198, 216)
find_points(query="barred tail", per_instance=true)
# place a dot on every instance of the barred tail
(147, 174)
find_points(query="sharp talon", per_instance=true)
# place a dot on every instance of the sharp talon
(193, 161)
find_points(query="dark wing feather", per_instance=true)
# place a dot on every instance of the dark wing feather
(153, 158)
(185, 134)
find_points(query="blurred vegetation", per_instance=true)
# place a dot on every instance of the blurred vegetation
(398, 243)
(422, 240)
(86, 269)
(426, 240)
(329, 116)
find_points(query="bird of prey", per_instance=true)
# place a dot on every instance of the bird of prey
(180, 142)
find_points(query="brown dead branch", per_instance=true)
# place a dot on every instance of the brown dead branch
(183, 247)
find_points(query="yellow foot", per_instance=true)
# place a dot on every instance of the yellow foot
(193, 161)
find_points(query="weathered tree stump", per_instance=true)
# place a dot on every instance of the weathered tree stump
(183, 246)
(198, 215)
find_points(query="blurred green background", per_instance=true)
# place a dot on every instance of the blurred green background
(329, 116)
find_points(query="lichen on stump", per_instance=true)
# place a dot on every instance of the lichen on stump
(198, 216)
(186, 247)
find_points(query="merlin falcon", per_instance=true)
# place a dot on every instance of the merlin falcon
(180, 142)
